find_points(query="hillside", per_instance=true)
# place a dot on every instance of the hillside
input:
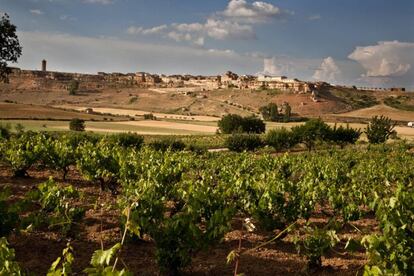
(331, 103)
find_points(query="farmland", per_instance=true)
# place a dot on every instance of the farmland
(328, 212)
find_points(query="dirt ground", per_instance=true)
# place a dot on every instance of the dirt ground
(28, 111)
(367, 113)
(36, 250)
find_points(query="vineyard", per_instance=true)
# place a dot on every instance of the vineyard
(112, 205)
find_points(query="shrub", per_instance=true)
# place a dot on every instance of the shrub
(21, 153)
(9, 218)
(343, 136)
(312, 131)
(392, 251)
(281, 139)
(165, 144)
(149, 116)
(270, 112)
(243, 142)
(380, 129)
(127, 140)
(73, 87)
(4, 131)
(77, 124)
(233, 123)
(317, 243)
(100, 162)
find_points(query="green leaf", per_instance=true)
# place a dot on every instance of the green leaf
(103, 257)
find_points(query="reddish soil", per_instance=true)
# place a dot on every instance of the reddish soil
(36, 250)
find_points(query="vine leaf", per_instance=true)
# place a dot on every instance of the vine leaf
(104, 257)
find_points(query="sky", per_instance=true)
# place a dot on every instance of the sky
(352, 42)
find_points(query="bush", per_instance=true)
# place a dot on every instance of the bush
(233, 123)
(270, 112)
(243, 142)
(4, 131)
(380, 129)
(281, 139)
(343, 136)
(312, 131)
(77, 125)
(127, 140)
(167, 144)
(21, 153)
(149, 116)
(73, 87)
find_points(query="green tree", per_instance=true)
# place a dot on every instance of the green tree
(312, 131)
(77, 124)
(342, 136)
(233, 123)
(288, 113)
(9, 45)
(269, 112)
(281, 139)
(73, 87)
(380, 129)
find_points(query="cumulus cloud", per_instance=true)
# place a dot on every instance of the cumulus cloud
(196, 32)
(314, 17)
(74, 53)
(328, 71)
(270, 67)
(386, 59)
(101, 2)
(235, 22)
(36, 12)
(256, 12)
(153, 30)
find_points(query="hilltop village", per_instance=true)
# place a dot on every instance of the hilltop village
(44, 79)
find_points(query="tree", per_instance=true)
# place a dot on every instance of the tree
(233, 123)
(73, 87)
(269, 112)
(77, 124)
(243, 142)
(288, 113)
(9, 45)
(312, 131)
(380, 129)
(342, 136)
(281, 139)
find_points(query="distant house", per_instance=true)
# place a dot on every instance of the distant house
(89, 111)
(398, 89)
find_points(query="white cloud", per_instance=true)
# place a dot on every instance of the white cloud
(270, 67)
(196, 32)
(256, 12)
(223, 29)
(314, 17)
(386, 59)
(132, 30)
(88, 54)
(36, 12)
(328, 71)
(101, 2)
(65, 17)
(235, 22)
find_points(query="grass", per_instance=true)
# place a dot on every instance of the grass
(356, 99)
(101, 127)
(399, 102)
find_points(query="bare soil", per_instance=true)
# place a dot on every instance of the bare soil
(36, 250)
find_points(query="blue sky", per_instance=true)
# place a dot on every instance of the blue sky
(362, 42)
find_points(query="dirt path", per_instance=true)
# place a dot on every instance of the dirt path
(133, 112)
(395, 114)
(171, 125)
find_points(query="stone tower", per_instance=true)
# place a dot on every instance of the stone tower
(44, 62)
